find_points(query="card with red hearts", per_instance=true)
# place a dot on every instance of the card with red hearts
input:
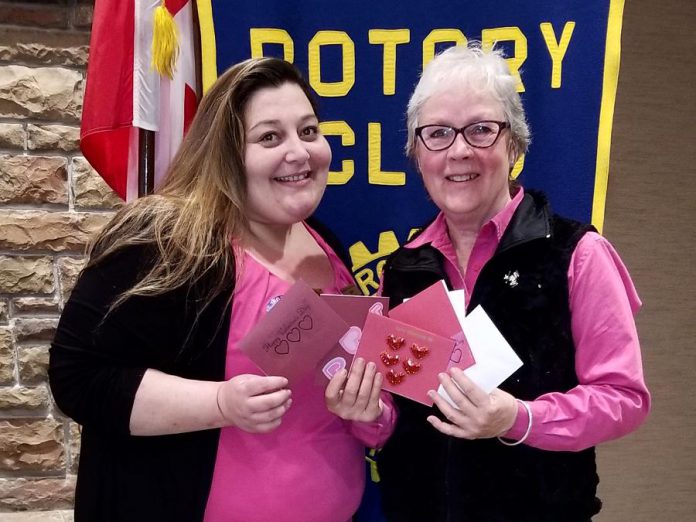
(432, 310)
(409, 358)
(353, 309)
(294, 335)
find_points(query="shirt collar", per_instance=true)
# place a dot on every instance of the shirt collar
(437, 232)
(502, 219)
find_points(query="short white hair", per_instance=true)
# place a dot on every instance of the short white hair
(470, 67)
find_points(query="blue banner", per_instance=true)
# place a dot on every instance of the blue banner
(363, 60)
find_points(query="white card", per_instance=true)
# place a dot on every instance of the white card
(495, 358)
(458, 300)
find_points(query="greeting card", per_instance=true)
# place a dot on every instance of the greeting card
(433, 310)
(353, 310)
(294, 335)
(410, 358)
(495, 358)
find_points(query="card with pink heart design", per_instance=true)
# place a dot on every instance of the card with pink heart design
(294, 335)
(353, 309)
(409, 358)
(432, 310)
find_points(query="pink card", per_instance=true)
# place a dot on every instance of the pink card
(432, 310)
(409, 358)
(353, 309)
(294, 335)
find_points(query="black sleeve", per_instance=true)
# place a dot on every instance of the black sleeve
(97, 361)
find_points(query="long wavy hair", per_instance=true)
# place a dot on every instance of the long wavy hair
(193, 218)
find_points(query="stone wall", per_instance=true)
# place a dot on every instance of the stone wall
(51, 202)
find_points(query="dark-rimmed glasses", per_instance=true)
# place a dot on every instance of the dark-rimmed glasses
(480, 134)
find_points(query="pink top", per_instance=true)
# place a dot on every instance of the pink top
(611, 398)
(311, 468)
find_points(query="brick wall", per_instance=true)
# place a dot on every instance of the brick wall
(51, 201)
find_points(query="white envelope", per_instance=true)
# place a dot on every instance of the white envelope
(495, 358)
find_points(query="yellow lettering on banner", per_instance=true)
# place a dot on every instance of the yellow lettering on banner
(361, 256)
(390, 38)
(517, 168)
(437, 36)
(512, 34)
(375, 174)
(412, 233)
(557, 49)
(366, 281)
(379, 268)
(366, 278)
(342, 129)
(331, 89)
(262, 35)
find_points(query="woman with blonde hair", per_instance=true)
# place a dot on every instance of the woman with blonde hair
(177, 423)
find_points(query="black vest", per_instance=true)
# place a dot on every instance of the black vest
(429, 476)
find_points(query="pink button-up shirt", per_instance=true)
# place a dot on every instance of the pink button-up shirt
(611, 398)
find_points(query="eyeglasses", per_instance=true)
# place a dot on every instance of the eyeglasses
(480, 134)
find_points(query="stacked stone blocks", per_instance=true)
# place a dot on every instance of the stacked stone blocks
(51, 203)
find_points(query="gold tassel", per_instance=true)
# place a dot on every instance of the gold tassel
(165, 44)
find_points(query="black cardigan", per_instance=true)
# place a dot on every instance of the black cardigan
(96, 365)
(97, 362)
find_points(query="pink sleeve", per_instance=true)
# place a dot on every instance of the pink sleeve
(375, 434)
(611, 399)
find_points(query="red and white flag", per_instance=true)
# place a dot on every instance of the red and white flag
(124, 93)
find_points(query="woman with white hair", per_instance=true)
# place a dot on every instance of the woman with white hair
(555, 288)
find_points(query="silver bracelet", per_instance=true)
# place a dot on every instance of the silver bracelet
(217, 401)
(529, 427)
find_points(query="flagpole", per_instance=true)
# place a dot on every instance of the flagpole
(146, 162)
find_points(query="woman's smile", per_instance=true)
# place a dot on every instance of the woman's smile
(459, 178)
(293, 178)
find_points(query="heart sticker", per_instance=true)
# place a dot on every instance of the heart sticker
(389, 359)
(395, 378)
(411, 366)
(334, 366)
(350, 340)
(419, 351)
(377, 308)
(395, 342)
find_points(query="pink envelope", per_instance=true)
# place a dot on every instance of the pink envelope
(432, 310)
(353, 309)
(409, 358)
(294, 335)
